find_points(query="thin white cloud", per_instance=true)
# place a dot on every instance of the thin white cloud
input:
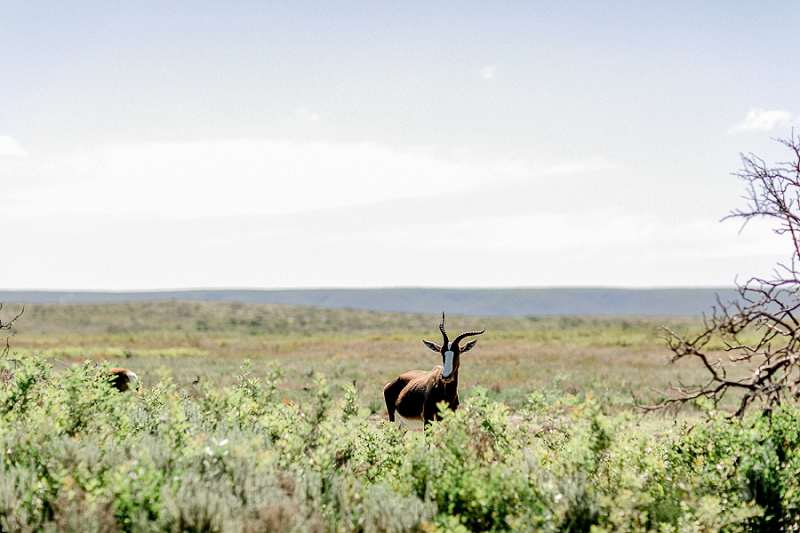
(253, 178)
(306, 115)
(489, 72)
(580, 167)
(758, 119)
(406, 244)
(9, 146)
(252, 213)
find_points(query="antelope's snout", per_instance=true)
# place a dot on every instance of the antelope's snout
(449, 361)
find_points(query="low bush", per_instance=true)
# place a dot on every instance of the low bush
(79, 456)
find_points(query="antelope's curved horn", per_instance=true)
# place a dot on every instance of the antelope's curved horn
(467, 334)
(444, 334)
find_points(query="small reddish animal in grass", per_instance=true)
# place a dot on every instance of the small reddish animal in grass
(122, 378)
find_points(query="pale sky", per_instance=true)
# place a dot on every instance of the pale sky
(169, 145)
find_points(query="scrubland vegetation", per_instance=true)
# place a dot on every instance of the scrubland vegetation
(613, 357)
(285, 431)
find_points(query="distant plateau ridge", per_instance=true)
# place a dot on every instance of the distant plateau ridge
(471, 302)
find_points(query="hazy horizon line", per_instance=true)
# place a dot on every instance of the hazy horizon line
(385, 288)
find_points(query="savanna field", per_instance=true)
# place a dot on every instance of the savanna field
(256, 418)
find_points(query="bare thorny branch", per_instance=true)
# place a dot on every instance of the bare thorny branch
(759, 332)
(6, 326)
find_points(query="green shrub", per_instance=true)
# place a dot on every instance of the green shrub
(79, 456)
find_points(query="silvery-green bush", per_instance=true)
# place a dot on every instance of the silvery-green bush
(79, 456)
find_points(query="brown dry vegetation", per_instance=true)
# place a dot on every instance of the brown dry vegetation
(612, 357)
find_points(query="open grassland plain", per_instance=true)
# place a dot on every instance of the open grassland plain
(614, 357)
(267, 418)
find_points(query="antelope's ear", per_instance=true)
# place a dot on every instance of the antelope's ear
(433, 346)
(470, 345)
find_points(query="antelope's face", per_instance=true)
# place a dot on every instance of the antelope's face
(450, 361)
(451, 351)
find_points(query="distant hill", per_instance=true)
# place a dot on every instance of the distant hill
(470, 302)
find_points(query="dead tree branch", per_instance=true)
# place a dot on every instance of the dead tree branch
(6, 326)
(760, 331)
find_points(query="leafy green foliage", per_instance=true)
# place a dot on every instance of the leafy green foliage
(79, 456)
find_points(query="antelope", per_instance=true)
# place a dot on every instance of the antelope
(121, 378)
(413, 396)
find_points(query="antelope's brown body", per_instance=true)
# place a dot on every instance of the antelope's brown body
(417, 388)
